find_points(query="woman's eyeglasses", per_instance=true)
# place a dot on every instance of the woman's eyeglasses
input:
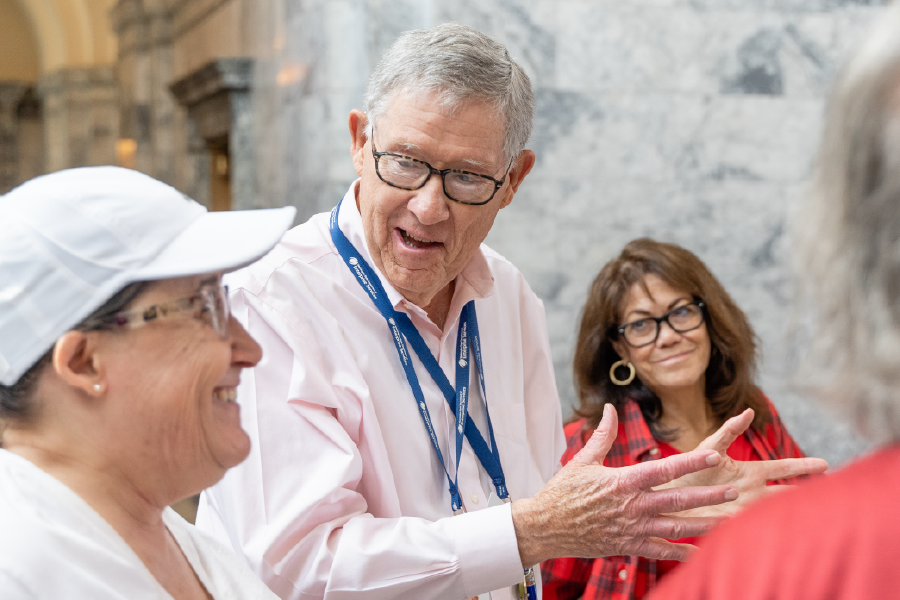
(210, 305)
(645, 331)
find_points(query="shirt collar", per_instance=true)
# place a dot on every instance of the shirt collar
(474, 281)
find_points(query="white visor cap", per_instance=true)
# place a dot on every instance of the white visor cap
(69, 241)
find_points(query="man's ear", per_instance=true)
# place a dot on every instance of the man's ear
(76, 362)
(521, 168)
(357, 123)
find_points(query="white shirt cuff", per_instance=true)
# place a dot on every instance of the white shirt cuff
(488, 550)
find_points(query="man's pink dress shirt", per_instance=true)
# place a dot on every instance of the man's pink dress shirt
(342, 495)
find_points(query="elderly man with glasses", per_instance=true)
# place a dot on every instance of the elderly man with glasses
(405, 420)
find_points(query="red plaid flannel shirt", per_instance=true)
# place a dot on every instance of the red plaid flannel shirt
(614, 578)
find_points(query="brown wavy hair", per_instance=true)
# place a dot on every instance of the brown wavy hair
(732, 363)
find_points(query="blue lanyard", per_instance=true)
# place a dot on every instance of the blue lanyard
(401, 326)
(403, 331)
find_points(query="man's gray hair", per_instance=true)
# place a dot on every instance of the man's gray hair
(848, 237)
(461, 64)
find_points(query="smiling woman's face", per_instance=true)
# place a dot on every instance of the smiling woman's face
(172, 385)
(674, 360)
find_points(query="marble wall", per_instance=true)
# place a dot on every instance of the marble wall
(690, 121)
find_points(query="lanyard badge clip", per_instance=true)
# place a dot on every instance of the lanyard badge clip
(528, 588)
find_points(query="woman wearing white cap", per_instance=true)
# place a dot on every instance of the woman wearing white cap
(119, 361)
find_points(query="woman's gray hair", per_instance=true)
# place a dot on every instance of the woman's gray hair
(461, 64)
(848, 239)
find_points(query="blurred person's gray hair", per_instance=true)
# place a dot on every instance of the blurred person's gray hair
(848, 240)
(461, 64)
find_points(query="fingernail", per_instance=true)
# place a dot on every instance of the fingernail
(731, 494)
(713, 459)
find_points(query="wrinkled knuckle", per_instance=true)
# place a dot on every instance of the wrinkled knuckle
(632, 503)
(671, 471)
(614, 480)
(642, 528)
(644, 547)
(673, 502)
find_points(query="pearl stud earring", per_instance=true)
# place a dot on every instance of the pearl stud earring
(96, 387)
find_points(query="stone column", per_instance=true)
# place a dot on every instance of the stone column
(216, 97)
(162, 103)
(133, 68)
(11, 94)
(81, 120)
(31, 136)
(193, 168)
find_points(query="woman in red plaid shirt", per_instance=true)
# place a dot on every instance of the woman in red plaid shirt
(663, 342)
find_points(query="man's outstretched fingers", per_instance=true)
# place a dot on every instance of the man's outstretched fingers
(601, 440)
(786, 468)
(657, 472)
(675, 500)
(728, 432)
(660, 549)
(675, 528)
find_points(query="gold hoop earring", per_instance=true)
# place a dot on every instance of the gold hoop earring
(616, 365)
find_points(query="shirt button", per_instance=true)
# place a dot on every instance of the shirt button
(474, 498)
(623, 574)
(654, 451)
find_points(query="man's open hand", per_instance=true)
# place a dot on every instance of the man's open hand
(749, 477)
(591, 511)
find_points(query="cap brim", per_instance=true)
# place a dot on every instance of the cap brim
(220, 242)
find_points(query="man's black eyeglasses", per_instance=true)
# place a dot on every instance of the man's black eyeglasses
(409, 173)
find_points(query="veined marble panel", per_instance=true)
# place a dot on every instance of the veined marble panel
(787, 6)
(528, 29)
(625, 46)
(664, 137)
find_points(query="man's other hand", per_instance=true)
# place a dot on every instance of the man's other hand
(749, 477)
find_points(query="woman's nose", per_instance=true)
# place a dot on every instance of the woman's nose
(245, 352)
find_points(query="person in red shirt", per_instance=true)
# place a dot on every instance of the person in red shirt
(663, 342)
(839, 536)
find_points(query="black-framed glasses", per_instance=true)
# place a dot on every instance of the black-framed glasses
(210, 305)
(682, 319)
(409, 173)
